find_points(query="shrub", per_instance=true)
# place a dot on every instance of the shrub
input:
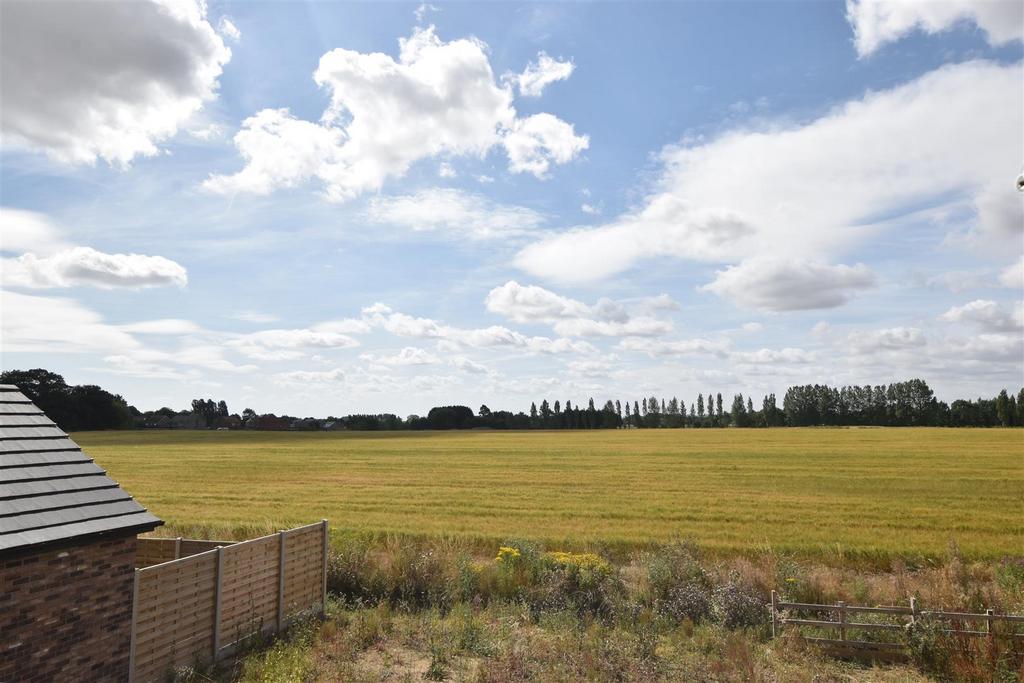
(737, 605)
(679, 587)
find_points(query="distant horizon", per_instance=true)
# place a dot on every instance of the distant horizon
(338, 208)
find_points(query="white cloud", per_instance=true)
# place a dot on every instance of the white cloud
(227, 28)
(751, 327)
(773, 356)
(84, 266)
(311, 376)
(528, 304)
(27, 231)
(37, 324)
(813, 191)
(682, 347)
(589, 208)
(866, 342)
(469, 365)
(877, 22)
(789, 285)
(410, 355)
(537, 141)
(453, 212)
(641, 326)
(402, 325)
(107, 80)
(255, 317)
(287, 344)
(421, 11)
(366, 135)
(987, 348)
(164, 326)
(1013, 275)
(987, 314)
(572, 318)
(446, 170)
(540, 74)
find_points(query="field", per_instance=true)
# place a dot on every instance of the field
(839, 493)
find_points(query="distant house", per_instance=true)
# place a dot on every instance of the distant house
(331, 425)
(306, 424)
(228, 422)
(187, 420)
(272, 423)
(67, 554)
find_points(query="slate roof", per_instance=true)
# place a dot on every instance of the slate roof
(50, 491)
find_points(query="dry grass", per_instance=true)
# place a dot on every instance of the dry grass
(845, 496)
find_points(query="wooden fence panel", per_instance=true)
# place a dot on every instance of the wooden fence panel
(184, 609)
(249, 589)
(303, 568)
(150, 551)
(173, 616)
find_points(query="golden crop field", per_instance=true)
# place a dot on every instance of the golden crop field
(846, 492)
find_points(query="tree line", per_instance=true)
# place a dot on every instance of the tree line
(900, 404)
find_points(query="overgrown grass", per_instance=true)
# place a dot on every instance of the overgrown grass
(844, 497)
(436, 611)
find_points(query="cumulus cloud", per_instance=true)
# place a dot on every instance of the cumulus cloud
(109, 80)
(366, 135)
(228, 29)
(812, 191)
(681, 347)
(403, 325)
(1013, 275)
(410, 355)
(572, 318)
(877, 22)
(454, 213)
(988, 315)
(287, 344)
(771, 356)
(789, 285)
(891, 339)
(528, 304)
(84, 266)
(537, 141)
(540, 74)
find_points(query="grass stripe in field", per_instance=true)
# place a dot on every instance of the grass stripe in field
(881, 491)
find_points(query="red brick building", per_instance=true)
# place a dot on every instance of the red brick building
(67, 555)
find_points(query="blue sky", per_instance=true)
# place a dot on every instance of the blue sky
(325, 208)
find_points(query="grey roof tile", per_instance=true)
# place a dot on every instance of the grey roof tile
(50, 491)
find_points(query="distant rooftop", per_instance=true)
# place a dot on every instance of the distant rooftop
(50, 491)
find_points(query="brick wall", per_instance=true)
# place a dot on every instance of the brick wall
(65, 613)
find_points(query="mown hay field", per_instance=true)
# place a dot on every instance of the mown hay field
(840, 493)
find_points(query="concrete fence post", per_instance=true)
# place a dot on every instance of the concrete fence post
(323, 591)
(177, 548)
(135, 618)
(281, 535)
(841, 606)
(216, 604)
(913, 610)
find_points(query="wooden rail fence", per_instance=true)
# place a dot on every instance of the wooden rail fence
(202, 606)
(888, 650)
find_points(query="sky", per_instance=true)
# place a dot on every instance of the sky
(332, 208)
